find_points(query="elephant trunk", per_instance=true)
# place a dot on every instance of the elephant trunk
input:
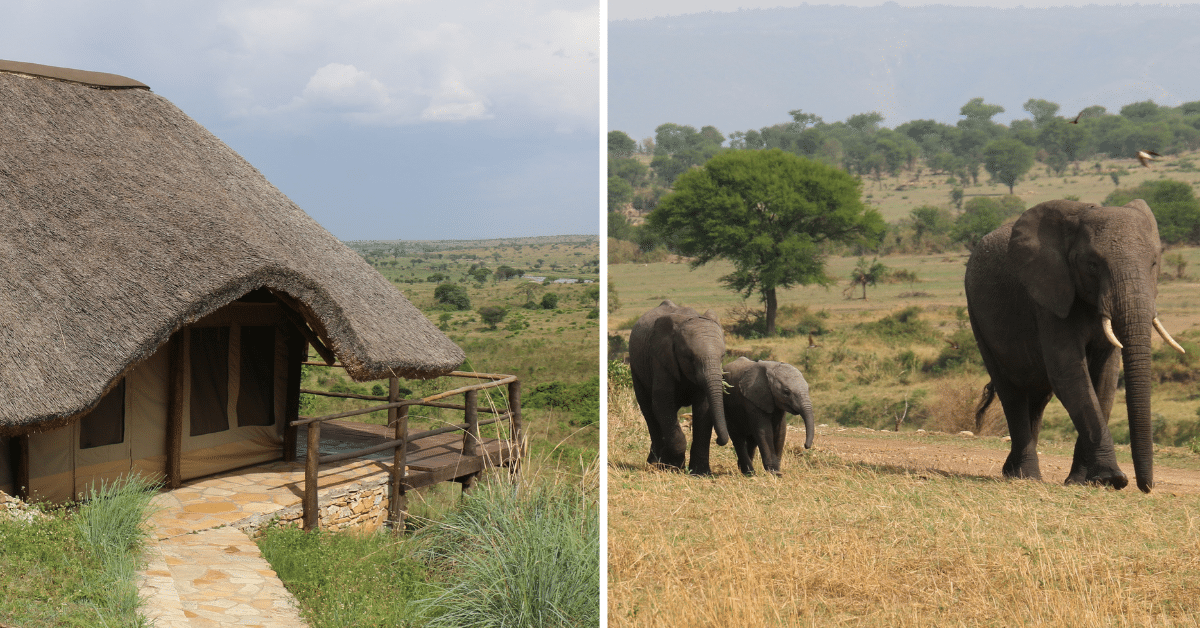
(1135, 324)
(806, 412)
(715, 389)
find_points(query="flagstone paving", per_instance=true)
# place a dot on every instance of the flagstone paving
(204, 570)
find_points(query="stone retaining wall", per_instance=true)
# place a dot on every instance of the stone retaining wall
(362, 506)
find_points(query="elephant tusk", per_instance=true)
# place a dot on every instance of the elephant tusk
(1162, 331)
(1106, 323)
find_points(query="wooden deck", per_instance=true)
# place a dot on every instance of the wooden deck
(428, 460)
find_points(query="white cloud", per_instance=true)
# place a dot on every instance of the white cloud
(380, 62)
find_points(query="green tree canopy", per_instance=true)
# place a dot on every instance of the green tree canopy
(492, 315)
(768, 213)
(454, 295)
(619, 193)
(1174, 205)
(620, 144)
(1042, 111)
(1007, 160)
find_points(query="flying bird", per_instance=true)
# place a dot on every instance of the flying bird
(953, 345)
(1076, 120)
(812, 342)
(1146, 156)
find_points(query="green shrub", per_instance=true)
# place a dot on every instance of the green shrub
(903, 326)
(582, 400)
(960, 352)
(549, 301)
(491, 315)
(453, 295)
(524, 555)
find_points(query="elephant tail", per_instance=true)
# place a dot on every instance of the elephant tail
(985, 400)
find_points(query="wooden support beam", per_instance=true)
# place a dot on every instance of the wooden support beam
(291, 310)
(19, 454)
(312, 512)
(470, 445)
(175, 393)
(297, 350)
(398, 499)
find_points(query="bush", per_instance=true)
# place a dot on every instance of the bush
(453, 295)
(549, 301)
(491, 315)
(582, 400)
(905, 325)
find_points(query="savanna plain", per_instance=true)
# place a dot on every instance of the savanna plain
(896, 517)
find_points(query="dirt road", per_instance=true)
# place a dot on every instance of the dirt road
(965, 456)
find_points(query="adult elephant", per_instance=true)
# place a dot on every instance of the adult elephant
(1057, 301)
(759, 395)
(675, 355)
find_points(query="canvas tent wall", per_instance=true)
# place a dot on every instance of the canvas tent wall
(125, 226)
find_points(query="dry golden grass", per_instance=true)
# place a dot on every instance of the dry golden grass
(834, 543)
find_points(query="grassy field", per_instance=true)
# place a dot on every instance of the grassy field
(839, 543)
(835, 542)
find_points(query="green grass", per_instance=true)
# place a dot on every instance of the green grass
(524, 554)
(77, 567)
(346, 579)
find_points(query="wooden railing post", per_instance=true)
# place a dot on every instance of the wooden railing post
(514, 409)
(297, 355)
(471, 434)
(312, 513)
(398, 500)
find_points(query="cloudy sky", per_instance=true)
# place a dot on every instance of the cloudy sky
(638, 10)
(383, 119)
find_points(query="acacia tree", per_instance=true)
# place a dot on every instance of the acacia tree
(767, 212)
(1008, 160)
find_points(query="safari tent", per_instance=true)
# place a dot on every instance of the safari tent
(158, 294)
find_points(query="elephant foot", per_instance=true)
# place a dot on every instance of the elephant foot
(1100, 476)
(700, 470)
(665, 460)
(1022, 467)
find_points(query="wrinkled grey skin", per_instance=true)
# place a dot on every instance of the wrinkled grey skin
(759, 395)
(1037, 291)
(675, 355)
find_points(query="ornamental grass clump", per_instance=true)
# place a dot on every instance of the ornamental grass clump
(518, 554)
(111, 523)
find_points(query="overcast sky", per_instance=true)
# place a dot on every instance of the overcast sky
(383, 119)
(637, 10)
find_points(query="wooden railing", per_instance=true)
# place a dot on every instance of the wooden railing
(398, 411)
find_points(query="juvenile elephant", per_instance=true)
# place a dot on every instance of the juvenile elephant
(759, 394)
(675, 356)
(1057, 301)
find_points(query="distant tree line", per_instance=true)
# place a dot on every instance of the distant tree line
(975, 145)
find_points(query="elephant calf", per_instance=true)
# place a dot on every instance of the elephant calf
(760, 392)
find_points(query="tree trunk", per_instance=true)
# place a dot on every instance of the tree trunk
(772, 306)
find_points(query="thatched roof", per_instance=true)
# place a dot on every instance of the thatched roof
(122, 220)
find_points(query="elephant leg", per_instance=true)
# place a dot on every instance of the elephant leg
(1023, 412)
(780, 436)
(1095, 459)
(745, 453)
(764, 436)
(702, 429)
(667, 442)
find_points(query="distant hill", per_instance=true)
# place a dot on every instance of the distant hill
(746, 70)
(362, 246)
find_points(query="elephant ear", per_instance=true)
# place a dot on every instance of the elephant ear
(755, 386)
(1038, 249)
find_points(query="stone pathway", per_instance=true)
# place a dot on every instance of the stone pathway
(204, 570)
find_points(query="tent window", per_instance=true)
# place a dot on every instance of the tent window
(105, 425)
(210, 380)
(256, 392)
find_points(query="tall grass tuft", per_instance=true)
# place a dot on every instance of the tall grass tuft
(111, 525)
(519, 554)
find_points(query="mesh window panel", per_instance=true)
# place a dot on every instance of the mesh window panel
(256, 393)
(210, 380)
(106, 424)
